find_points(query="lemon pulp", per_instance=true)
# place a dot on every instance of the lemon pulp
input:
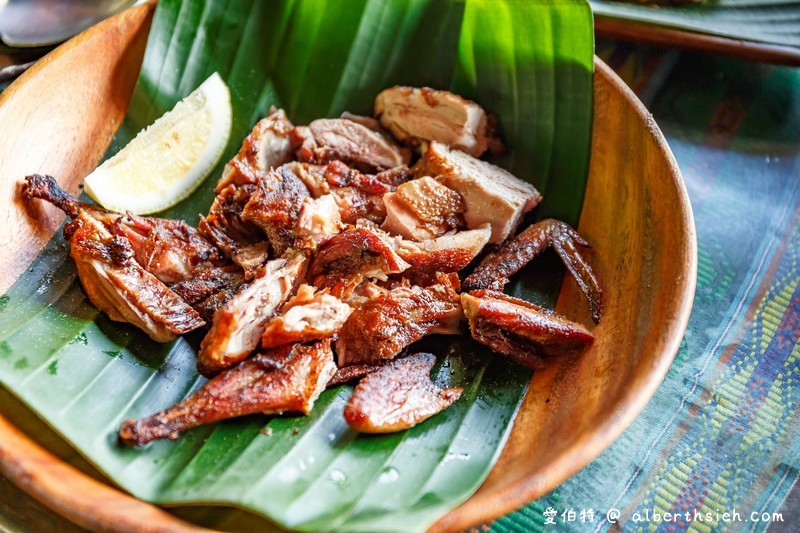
(169, 159)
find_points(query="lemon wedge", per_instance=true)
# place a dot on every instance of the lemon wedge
(169, 159)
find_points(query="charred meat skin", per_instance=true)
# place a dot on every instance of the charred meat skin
(398, 396)
(520, 330)
(275, 206)
(417, 115)
(423, 209)
(224, 225)
(491, 194)
(448, 253)
(329, 139)
(393, 319)
(171, 250)
(267, 146)
(287, 379)
(237, 327)
(307, 316)
(496, 269)
(351, 256)
(111, 277)
(210, 289)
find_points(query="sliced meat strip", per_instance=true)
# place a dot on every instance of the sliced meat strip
(238, 325)
(352, 256)
(353, 372)
(520, 330)
(398, 396)
(329, 139)
(287, 379)
(448, 253)
(491, 194)
(497, 267)
(113, 280)
(381, 327)
(415, 115)
(224, 225)
(268, 146)
(210, 289)
(275, 206)
(307, 316)
(423, 209)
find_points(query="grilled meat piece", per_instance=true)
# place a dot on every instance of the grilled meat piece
(398, 396)
(251, 258)
(287, 379)
(448, 253)
(423, 209)
(491, 194)
(353, 372)
(415, 116)
(210, 289)
(328, 139)
(384, 325)
(497, 267)
(275, 205)
(171, 250)
(113, 280)
(317, 221)
(307, 316)
(237, 327)
(268, 146)
(352, 256)
(224, 225)
(520, 330)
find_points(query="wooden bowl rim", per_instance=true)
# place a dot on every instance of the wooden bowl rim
(97, 506)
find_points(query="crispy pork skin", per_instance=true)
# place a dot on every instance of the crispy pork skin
(398, 396)
(352, 256)
(505, 261)
(524, 332)
(307, 316)
(113, 280)
(382, 326)
(415, 116)
(275, 206)
(285, 380)
(237, 327)
(329, 139)
(422, 209)
(268, 146)
(491, 194)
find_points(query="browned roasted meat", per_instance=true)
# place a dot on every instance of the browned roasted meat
(497, 267)
(251, 258)
(224, 225)
(393, 319)
(111, 277)
(210, 289)
(448, 253)
(317, 221)
(237, 327)
(423, 209)
(287, 379)
(520, 330)
(330, 139)
(491, 194)
(267, 146)
(417, 115)
(171, 250)
(353, 372)
(275, 205)
(307, 316)
(398, 396)
(352, 256)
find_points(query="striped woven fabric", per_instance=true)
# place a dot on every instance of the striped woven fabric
(722, 433)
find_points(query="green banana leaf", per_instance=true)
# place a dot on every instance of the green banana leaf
(774, 22)
(530, 62)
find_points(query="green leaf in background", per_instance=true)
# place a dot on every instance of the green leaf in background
(530, 62)
(766, 21)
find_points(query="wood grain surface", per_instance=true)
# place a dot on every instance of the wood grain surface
(636, 215)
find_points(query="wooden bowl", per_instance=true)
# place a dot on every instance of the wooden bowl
(636, 213)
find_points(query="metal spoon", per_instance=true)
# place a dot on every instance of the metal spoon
(36, 23)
